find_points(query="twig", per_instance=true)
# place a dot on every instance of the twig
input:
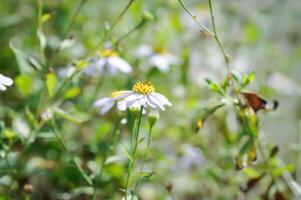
(66, 33)
(114, 24)
(202, 26)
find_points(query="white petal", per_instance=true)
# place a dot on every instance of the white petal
(106, 107)
(2, 87)
(131, 100)
(102, 101)
(4, 80)
(143, 100)
(100, 64)
(162, 98)
(150, 102)
(144, 50)
(121, 94)
(160, 61)
(156, 101)
(120, 64)
(121, 105)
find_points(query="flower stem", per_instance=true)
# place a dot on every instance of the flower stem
(134, 145)
(202, 26)
(114, 24)
(135, 28)
(77, 165)
(66, 33)
(145, 154)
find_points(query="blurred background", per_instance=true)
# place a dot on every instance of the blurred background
(261, 35)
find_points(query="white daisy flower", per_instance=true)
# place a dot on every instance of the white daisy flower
(4, 82)
(158, 57)
(108, 61)
(142, 94)
(105, 104)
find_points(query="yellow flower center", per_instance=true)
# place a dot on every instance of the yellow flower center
(108, 53)
(160, 50)
(145, 87)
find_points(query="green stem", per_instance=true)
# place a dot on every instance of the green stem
(137, 27)
(145, 154)
(40, 28)
(77, 165)
(134, 145)
(202, 26)
(66, 33)
(114, 24)
(216, 36)
(222, 49)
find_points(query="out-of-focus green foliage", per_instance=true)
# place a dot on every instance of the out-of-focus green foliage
(54, 144)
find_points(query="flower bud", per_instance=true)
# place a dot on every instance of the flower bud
(147, 16)
(28, 188)
(153, 116)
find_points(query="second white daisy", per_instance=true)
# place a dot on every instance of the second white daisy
(108, 61)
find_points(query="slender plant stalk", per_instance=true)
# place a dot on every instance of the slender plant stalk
(40, 28)
(145, 154)
(134, 145)
(77, 165)
(130, 32)
(202, 26)
(114, 24)
(66, 33)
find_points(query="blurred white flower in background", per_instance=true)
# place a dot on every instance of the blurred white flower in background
(142, 94)
(65, 72)
(283, 84)
(4, 82)
(107, 61)
(192, 158)
(157, 57)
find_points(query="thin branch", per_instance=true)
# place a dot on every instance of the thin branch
(216, 36)
(202, 26)
(114, 24)
(66, 33)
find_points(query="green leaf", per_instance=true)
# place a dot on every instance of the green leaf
(22, 61)
(8, 133)
(71, 93)
(286, 168)
(214, 86)
(248, 78)
(81, 64)
(51, 81)
(24, 84)
(70, 117)
(252, 33)
(44, 18)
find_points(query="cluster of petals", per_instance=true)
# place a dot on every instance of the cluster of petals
(5, 82)
(157, 57)
(131, 99)
(107, 62)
